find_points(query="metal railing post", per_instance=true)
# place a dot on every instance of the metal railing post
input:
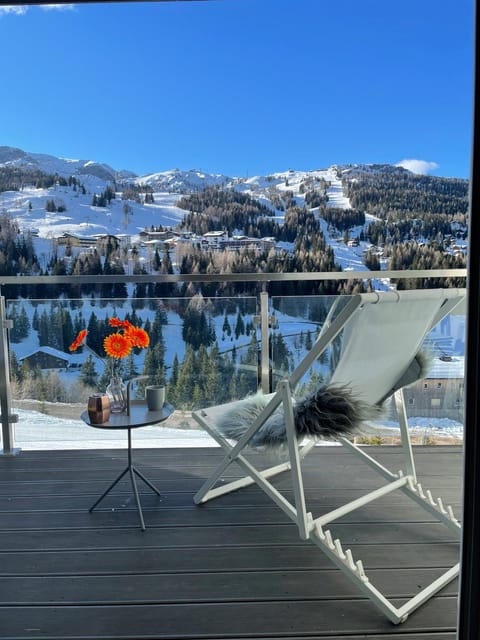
(265, 334)
(6, 416)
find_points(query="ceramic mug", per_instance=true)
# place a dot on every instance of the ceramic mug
(155, 396)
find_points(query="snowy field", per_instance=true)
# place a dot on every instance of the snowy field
(37, 431)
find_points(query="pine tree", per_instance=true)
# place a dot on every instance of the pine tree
(154, 365)
(21, 325)
(95, 338)
(16, 371)
(281, 354)
(308, 340)
(35, 320)
(68, 332)
(215, 383)
(186, 379)
(156, 261)
(43, 329)
(232, 389)
(196, 329)
(239, 326)
(88, 374)
(226, 328)
(131, 370)
(55, 328)
(172, 383)
(119, 289)
(198, 397)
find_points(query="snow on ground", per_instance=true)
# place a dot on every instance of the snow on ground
(293, 181)
(81, 217)
(336, 197)
(434, 427)
(350, 258)
(38, 431)
(35, 431)
(182, 181)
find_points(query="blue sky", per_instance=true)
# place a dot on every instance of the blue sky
(241, 87)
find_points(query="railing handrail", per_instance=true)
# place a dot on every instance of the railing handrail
(236, 277)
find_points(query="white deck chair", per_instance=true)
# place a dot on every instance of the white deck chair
(382, 333)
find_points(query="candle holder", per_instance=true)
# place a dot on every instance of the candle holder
(98, 408)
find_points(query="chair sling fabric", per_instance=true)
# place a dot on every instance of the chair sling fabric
(382, 334)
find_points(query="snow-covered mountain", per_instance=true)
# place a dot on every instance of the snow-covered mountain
(79, 214)
(13, 157)
(76, 207)
(182, 181)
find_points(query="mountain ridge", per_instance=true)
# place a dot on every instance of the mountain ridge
(174, 180)
(65, 167)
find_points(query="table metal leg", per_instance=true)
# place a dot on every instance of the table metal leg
(132, 471)
(137, 498)
(146, 481)
(109, 489)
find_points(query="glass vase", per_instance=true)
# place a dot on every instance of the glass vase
(117, 393)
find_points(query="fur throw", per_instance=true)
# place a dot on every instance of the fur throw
(327, 413)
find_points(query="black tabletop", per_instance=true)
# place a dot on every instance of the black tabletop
(139, 416)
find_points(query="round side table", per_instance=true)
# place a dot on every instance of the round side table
(138, 416)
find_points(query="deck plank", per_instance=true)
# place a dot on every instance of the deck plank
(220, 620)
(232, 568)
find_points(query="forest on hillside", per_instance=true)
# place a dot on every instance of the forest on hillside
(382, 193)
(414, 220)
(213, 356)
(409, 206)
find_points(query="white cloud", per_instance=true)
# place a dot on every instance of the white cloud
(417, 166)
(57, 7)
(18, 10)
(21, 10)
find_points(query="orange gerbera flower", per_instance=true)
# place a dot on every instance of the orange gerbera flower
(117, 345)
(78, 340)
(138, 337)
(116, 322)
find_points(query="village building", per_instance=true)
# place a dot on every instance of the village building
(77, 240)
(159, 236)
(441, 393)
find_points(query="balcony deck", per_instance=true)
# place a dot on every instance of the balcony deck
(233, 568)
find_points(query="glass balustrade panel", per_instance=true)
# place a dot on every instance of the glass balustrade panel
(203, 350)
(435, 404)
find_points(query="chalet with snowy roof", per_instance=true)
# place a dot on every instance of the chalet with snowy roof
(47, 358)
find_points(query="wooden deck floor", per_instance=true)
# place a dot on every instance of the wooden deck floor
(233, 568)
